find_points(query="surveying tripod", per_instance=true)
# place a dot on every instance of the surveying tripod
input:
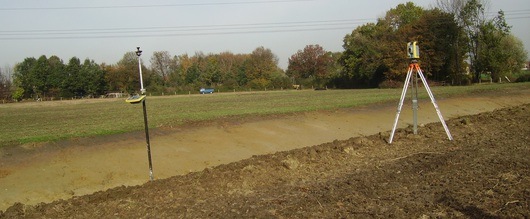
(414, 69)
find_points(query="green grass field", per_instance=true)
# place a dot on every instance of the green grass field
(50, 121)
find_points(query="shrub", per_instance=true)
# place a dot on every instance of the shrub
(523, 78)
(18, 94)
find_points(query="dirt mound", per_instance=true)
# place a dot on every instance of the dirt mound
(483, 173)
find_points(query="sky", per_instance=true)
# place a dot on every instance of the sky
(104, 31)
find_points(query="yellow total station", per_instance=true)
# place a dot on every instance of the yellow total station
(413, 50)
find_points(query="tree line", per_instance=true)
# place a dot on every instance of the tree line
(458, 44)
(455, 39)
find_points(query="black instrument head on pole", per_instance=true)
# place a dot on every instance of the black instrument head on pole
(138, 51)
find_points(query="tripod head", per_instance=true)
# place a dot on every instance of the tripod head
(413, 50)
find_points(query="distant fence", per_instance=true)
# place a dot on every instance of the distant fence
(114, 95)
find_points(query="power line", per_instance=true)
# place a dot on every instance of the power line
(510, 13)
(154, 6)
(197, 27)
(517, 17)
(196, 30)
(201, 30)
(178, 34)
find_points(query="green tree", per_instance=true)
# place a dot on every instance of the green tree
(40, 76)
(73, 82)
(461, 46)
(224, 71)
(50, 77)
(124, 76)
(261, 65)
(514, 53)
(193, 73)
(399, 26)
(492, 54)
(483, 36)
(56, 75)
(5, 86)
(182, 63)
(94, 78)
(439, 37)
(361, 60)
(210, 74)
(32, 75)
(403, 14)
(22, 77)
(113, 78)
(374, 53)
(162, 65)
(312, 62)
(229, 65)
(18, 94)
(473, 18)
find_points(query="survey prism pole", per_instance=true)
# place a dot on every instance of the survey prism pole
(139, 53)
(148, 143)
(141, 98)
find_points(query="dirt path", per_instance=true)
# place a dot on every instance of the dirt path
(43, 173)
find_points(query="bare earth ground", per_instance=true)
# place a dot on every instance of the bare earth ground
(483, 173)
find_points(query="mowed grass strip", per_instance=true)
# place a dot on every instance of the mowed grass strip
(55, 120)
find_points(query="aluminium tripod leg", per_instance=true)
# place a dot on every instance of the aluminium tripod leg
(434, 103)
(400, 105)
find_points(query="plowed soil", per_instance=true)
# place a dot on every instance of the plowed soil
(483, 173)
